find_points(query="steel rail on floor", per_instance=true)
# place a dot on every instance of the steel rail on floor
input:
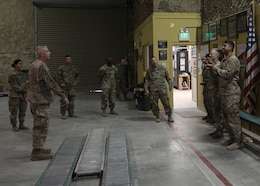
(117, 163)
(92, 157)
(61, 167)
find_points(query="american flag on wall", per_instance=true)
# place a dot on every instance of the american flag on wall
(252, 74)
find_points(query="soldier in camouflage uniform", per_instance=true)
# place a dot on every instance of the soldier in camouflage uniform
(67, 76)
(17, 97)
(122, 79)
(214, 98)
(155, 87)
(40, 95)
(230, 94)
(108, 74)
(205, 76)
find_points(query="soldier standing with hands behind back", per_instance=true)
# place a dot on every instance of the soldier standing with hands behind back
(155, 87)
(122, 79)
(17, 97)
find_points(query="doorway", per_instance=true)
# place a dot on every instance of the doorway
(184, 76)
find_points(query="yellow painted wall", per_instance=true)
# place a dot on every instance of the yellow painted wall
(242, 37)
(163, 26)
(143, 36)
(167, 26)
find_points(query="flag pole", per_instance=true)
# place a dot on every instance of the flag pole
(252, 71)
(257, 87)
(253, 7)
(254, 21)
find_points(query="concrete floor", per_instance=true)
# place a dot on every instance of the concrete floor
(183, 99)
(162, 154)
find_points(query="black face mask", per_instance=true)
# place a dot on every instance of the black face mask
(109, 63)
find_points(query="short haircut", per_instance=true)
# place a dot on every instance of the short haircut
(67, 55)
(108, 58)
(230, 43)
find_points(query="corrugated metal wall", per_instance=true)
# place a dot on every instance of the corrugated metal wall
(88, 35)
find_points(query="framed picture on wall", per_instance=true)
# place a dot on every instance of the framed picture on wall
(212, 34)
(232, 27)
(199, 35)
(242, 22)
(162, 44)
(162, 54)
(223, 27)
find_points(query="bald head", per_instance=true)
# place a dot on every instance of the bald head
(216, 54)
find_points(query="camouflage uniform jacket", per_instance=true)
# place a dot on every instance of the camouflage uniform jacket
(205, 75)
(108, 76)
(67, 76)
(122, 73)
(41, 84)
(18, 84)
(212, 83)
(155, 79)
(228, 75)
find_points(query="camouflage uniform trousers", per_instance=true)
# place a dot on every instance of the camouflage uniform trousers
(108, 96)
(71, 97)
(214, 107)
(230, 106)
(206, 101)
(219, 116)
(163, 96)
(121, 90)
(211, 101)
(17, 106)
(40, 114)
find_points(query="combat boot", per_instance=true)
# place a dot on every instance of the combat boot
(23, 127)
(233, 146)
(63, 116)
(205, 118)
(104, 113)
(227, 142)
(210, 134)
(37, 155)
(72, 115)
(209, 120)
(15, 129)
(217, 134)
(170, 118)
(157, 118)
(45, 151)
(112, 112)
